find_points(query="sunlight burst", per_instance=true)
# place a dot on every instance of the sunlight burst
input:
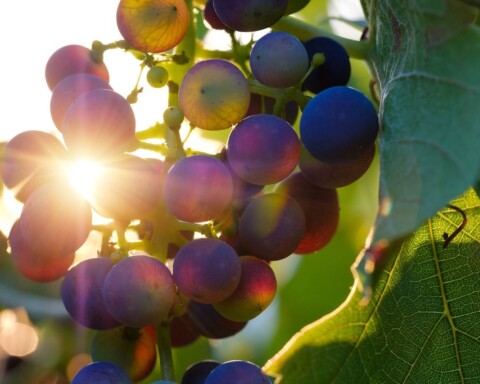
(82, 175)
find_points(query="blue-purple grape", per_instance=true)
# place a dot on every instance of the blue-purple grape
(334, 71)
(206, 270)
(340, 124)
(271, 226)
(288, 54)
(198, 372)
(211, 17)
(101, 373)
(99, 123)
(237, 372)
(139, 291)
(263, 149)
(249, 15)
(82, 293)
(198, 188)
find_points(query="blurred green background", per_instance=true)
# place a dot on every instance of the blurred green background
(310, 286)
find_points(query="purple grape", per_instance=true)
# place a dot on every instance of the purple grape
(198, 188)
(210, 323)
(206, 270)
(263, 149)
(271, 226)
(101, 373)
(237, 372)
(249, 15)
(183, 331)
(55, 219)
(68, 89)
(339, 125)
(198, 372)
(289, 55)
(82, 293)
(254, 293)
(265, 104)
(31, 159)
(99, 123)
(139, 291)
(334, 71)
(72, 59)
(211, 16)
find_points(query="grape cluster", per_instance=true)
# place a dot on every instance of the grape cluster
(208, 226)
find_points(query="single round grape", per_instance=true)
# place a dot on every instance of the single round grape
(173, 117)
(39, 267)
(152, 25)
(133, 349)
(265, 104)
(126, 187)
(289, 55)
(82, 296)
(321, 209)
(101, 373)
(340, 124)
(271, 226)
(249, 15)
(157, 77)
(254, 293)
(183, 331)
(210, 16)
(263, 149)
(237, 372)
(68, 89)
(72, 59)
(206, 270)
(31, 159)
(210, 323)
(334, 175)
(99, 123)
(139, 291)
(198, 188)
(214, 94)
(334, 71)
(55, 219)
(198, 372)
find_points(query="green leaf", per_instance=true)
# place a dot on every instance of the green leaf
(421, 324)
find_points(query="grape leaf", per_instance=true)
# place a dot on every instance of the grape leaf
(421, 324)
(426, 60)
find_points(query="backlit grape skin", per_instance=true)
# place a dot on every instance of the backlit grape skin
(68, 89)
(212, 193)
(139, 291)
(206, 270)
(263, 149)
(82, 293)
(237, 372)
(152, 25)
(321, 209)
(289, 55)
(271, 226)
(99, 123)
(40, 267)
(249, 15)
(101, 373)
(214, 94)
(72, 59)
(340, 124)
(55, 219)
(254, 293)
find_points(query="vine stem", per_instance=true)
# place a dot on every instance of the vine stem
(305, 31)
(165, 352)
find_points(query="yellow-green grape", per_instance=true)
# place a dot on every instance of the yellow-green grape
(173, 117)
(152, 25)
(157, 77)
(214, 95)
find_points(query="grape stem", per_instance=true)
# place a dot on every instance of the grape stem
(165, 352)
(304, 31)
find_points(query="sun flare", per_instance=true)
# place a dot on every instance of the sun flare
(82, 175)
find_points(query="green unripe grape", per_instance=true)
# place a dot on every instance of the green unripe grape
(173, 117)
(157, 77)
